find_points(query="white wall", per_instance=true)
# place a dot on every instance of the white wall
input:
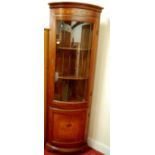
(99, 127)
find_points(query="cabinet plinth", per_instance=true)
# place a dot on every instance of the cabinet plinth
(70, 74)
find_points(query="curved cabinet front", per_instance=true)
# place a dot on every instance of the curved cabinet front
(66, 128)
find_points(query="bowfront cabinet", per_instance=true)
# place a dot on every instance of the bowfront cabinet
(73, 37)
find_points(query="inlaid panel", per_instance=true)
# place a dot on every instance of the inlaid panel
(68, 125)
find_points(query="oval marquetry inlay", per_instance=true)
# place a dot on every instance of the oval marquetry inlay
(69, 125)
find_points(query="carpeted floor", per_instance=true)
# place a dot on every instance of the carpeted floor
(89, 152)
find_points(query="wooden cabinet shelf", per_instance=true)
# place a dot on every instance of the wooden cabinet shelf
(70, 74)
(70, 102)
(71, 49)
(72, 78)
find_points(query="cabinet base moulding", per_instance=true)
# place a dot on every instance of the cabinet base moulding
(66, 150)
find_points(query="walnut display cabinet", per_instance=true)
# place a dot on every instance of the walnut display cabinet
(73, 38)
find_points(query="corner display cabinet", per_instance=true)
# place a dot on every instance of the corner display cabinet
(73, 37)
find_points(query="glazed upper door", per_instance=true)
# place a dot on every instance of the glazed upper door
(73, 46)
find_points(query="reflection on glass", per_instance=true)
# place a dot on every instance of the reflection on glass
(73, 45)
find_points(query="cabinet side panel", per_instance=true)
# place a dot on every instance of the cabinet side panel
(92, 67)
(46, 44)
(51, 58)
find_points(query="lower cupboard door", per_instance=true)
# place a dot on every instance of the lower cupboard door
(66, 126)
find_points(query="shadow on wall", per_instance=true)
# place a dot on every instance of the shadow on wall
(99, 117)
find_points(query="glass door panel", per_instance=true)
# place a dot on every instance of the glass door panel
(73, 44)
(70, 90)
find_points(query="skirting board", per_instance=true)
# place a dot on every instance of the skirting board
(98, 146)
